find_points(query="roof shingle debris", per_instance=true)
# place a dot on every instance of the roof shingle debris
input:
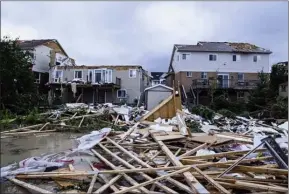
(223, 47)
(30, 44)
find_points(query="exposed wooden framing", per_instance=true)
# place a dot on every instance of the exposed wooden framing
(128, 178)
(177, 152)
(252, 186)
(193, 150)
(210, 180)
(190, 179)
(104, 187)
(22, 128)
(167, 189)
(128, 132)
(29, 186)
(81, 122)
(44, 126)
(208, 164)
(153, 180)
(143, 163)
(223, 154)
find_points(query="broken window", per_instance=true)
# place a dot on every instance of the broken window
(213, 57)
(78, 75)
(189, 74)
(132, 73)
(121, 93)
(203, 75)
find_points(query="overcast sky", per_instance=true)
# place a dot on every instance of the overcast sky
(144, 32)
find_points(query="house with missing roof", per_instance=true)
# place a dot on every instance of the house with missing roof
(226, 66)
(158, 78)
(98, 84)
(45, 54)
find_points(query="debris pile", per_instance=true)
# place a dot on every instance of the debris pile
(185, 153)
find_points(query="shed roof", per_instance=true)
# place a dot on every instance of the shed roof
(159, 85)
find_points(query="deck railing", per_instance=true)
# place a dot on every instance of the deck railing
(224, 83)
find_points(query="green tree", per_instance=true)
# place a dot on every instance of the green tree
(18, 91)
(279, 75)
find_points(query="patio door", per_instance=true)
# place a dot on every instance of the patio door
(223, 80)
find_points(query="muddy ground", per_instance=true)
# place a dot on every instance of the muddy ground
(19, 148)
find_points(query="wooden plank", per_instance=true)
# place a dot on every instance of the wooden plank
(153, 180)
(252, 186)
(210, 180)
(108, 184)
(128, 132)
(167, 189)
(44, 126)
(224, 154)
(139, 161)
(193, 150)
(128, 178)
(29, 186)
(190, 179)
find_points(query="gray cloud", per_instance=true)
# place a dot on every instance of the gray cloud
(144, 32)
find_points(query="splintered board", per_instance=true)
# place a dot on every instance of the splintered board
(166, 109)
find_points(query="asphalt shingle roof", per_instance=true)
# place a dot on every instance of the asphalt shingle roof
(222, 47)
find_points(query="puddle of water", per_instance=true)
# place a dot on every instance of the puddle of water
(19, 148)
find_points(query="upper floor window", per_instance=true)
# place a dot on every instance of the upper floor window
(77, 74)
(204, 75)
(256, 58)
(132, 73)
(189, 74)
(236, 57)
(58, 74)
(213, 57)
(184, 56)
(240, 76)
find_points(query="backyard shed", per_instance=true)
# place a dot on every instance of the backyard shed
(156, 94)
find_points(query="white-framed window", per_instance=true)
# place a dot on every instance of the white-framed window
(240, 76)
(256, 58)
(204, 75)
(121, 93)
(212, 57)
(189, 74)
(240, 94)
(77, 74)
(132, 73)
(108, 76)
(236, 57)
(58, 76)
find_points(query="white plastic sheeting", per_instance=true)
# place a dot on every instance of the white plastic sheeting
(88, 141)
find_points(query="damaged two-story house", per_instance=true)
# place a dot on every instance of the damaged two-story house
(219, 66)
(45, 53)
(98, 84)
